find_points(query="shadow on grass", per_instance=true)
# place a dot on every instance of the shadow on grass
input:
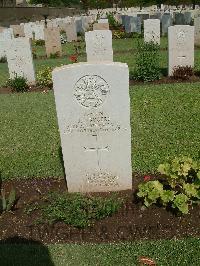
(164, 71)
(62, 163)
(17, 251)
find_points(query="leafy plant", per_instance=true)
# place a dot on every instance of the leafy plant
(44, 77)
(147, 61)
(114, 24)
(6, 204)
(18, 84)
(183, 72)
(179, 187)
(54, 55)
(39, 42)
(77, 209)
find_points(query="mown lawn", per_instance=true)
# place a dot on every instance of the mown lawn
(164, 253)
(165, 122)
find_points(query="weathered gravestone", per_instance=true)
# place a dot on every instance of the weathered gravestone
(70, 29)
(93, 110)
(20, 60)
(18, 30)
(179, 19)
(166, 23)
(143, 17)
(188, 18)
(52, 41)
(79, 25)
(152, 30)
(197, 31)
(100, 26)
(180, 46)
(39, 32)
(103, 20)
(5, 36)
(99, 45)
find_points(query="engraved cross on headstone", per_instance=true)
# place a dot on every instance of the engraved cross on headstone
(96, 149)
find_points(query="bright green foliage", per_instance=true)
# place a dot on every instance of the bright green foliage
(76, 209)
(17, 84)
(113, 23)
(151, 191)
(44, 77)
(147, 61)
(181, 202)
(181, 178)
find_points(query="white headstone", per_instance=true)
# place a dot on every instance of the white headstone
(99, 45)
(20, 60)
(180, 46)
(152, 30)
(93, 110)
(103, 20)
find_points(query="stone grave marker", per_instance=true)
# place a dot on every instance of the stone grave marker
(152, 30)
(70, 29)
(18, 30)
(197, 31)
(166, 23)
(20, 59)
(103, 20)
(52, 41)
(180, 46)
(100, 26)
(99, 45)
(179, 19)
(93, 110)
(188, 18)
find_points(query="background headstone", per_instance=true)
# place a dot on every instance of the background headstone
(100, 26)
(52, 41)
(179, 19)
(70, 29)
(20, 60)
(152, 30)
(180, 46)
(99, 45)
(93, 110)
(166, 23)
(197, 31)
(18, 30)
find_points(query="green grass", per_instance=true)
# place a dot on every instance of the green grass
(164, 253)
(165, 122)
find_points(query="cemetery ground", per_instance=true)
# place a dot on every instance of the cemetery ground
(165, 122)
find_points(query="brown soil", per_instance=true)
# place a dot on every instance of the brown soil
(129, 223)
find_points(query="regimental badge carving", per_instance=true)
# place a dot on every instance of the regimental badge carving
(181, 37)
(93, 123)
(102, 179)
(91, 91)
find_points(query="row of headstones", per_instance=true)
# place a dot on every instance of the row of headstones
(134, 23)
(99, 48)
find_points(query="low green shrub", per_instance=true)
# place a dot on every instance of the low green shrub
(76, 209)
(113, 23)
(147, 61)
(17, 84)
(179, 187)
(39, 42)
(44, 77)
(54, 55)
